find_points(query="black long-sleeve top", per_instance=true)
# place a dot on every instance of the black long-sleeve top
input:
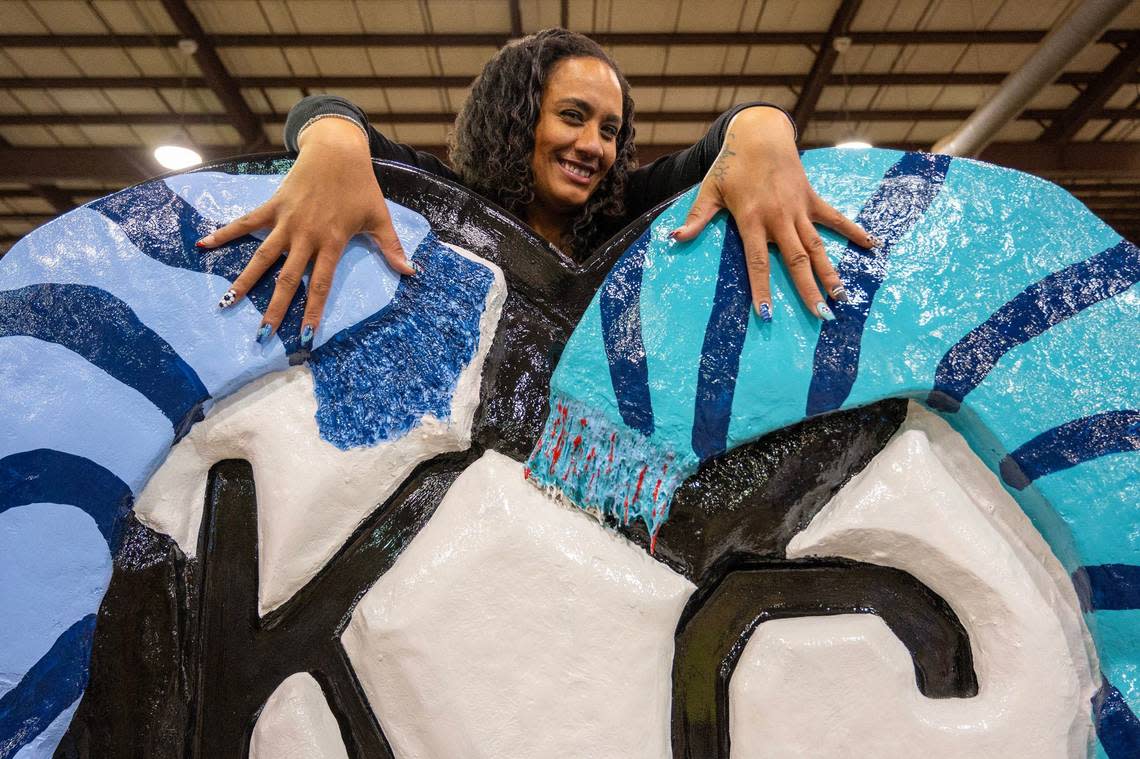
(646, 187)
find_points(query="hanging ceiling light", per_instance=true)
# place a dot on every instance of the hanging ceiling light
(179, 152)
(852, 141)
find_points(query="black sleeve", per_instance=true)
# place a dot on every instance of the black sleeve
(379, 145)
(668, 175)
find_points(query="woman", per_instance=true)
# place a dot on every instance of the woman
(547, 132)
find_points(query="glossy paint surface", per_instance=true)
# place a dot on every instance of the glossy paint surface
(995, 297)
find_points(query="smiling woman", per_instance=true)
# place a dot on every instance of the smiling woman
(547, 133)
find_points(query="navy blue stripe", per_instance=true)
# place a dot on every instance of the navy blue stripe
(50, 686)
(907, 190)
(1053, 299)
(47, 476)
(105, 331)
(720, 353)
(1116, 726)
(1072, 443)
(1108, 587)
(165, 227)
(620, 303)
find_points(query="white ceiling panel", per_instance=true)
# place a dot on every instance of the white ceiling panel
(102, 61)
(43, 61)
(639, 59)
(36, 101)
(471, 16)
(682, 133)
(414, 100)
(708, 15)
(690, 99)
(1019, 131)
(641, 16)
(254, 61)
(83, 101)
(70, 135)
(419, 134)
(214, 135)
(19, 19)
(396, 61)
(68, 17)
(282, 99)
(797, 15)
(136, 101)
(109, 134)
(122, 16)
(27, 136)
(764, 59)
(9, 103)
(157, 62)
(230, 16)
(392, 18)
(458, 61)
(695, 60)
(540, 14)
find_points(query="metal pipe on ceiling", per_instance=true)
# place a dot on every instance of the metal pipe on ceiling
(1068, 38)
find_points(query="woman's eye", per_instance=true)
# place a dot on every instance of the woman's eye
(610, 132)
(572, 115)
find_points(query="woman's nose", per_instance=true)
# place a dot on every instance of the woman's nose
(589, 141)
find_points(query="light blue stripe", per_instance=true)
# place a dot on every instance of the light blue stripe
(54, 568)
(1118, 647)
(364, 282)
(72, 406)
(179, 305)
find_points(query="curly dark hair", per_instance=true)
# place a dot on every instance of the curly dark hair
(493, 140)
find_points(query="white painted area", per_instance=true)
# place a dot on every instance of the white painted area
(296, 723)
(515, 626)
(844, 686)
(311, 495)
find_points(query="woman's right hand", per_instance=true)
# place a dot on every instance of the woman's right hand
(328, 196)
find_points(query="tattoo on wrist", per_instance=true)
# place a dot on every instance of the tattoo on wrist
(720, 166)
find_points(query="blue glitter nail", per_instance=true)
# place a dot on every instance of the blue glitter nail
(263, 333)
(765, 312)
(824, 312)
(839, 293)
(307, 337)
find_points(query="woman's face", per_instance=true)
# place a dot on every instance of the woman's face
(575, 141)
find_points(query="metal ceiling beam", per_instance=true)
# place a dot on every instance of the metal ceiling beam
(933, 78)
(214, 72)
(1103, 160)
(439, 117)
(824, 61)
(1075, 32)
(1118, 73)
(651, 39)
(516, 18)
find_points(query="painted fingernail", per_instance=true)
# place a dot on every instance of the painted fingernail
(227, 299)
(875, 242)
(307, 337)
(263, 333)
(416, 268)
(839, 293)
(764, 311)
(675, 232)
(824, 312)
(205, 241)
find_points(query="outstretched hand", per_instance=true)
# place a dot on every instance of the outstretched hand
(328, 196)
(758, 177)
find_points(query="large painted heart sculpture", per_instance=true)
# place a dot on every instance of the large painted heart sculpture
(516, 507)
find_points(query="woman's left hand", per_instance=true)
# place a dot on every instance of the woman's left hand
(758, 177)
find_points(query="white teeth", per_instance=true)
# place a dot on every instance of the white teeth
(575, 169)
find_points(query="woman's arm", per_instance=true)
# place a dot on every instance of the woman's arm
(329, 195)
(758, 177)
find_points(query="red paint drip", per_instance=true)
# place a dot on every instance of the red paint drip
(653, 542)
(657, 490)
(577, 441)
(526, 472)
(640, 480)
(583, 421)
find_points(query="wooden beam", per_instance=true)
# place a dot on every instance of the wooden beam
(59, 199)
(900, 79)
(516, 18)
(649, 39)
(824, 61)
(1107, 161)
(443, 117)
(1118, 73)
(214, 72)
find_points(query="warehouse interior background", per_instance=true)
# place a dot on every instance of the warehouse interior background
(88, 88)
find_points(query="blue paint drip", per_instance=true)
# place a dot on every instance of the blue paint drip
(165, 227)
(1108, 587)
(907, 190)
(377, 379)
(619, 301)
(1070, 444)
(47, 689)
(105, 331)
(47, 476)
(1059, 296)
(1116, 726)
(720, 353)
